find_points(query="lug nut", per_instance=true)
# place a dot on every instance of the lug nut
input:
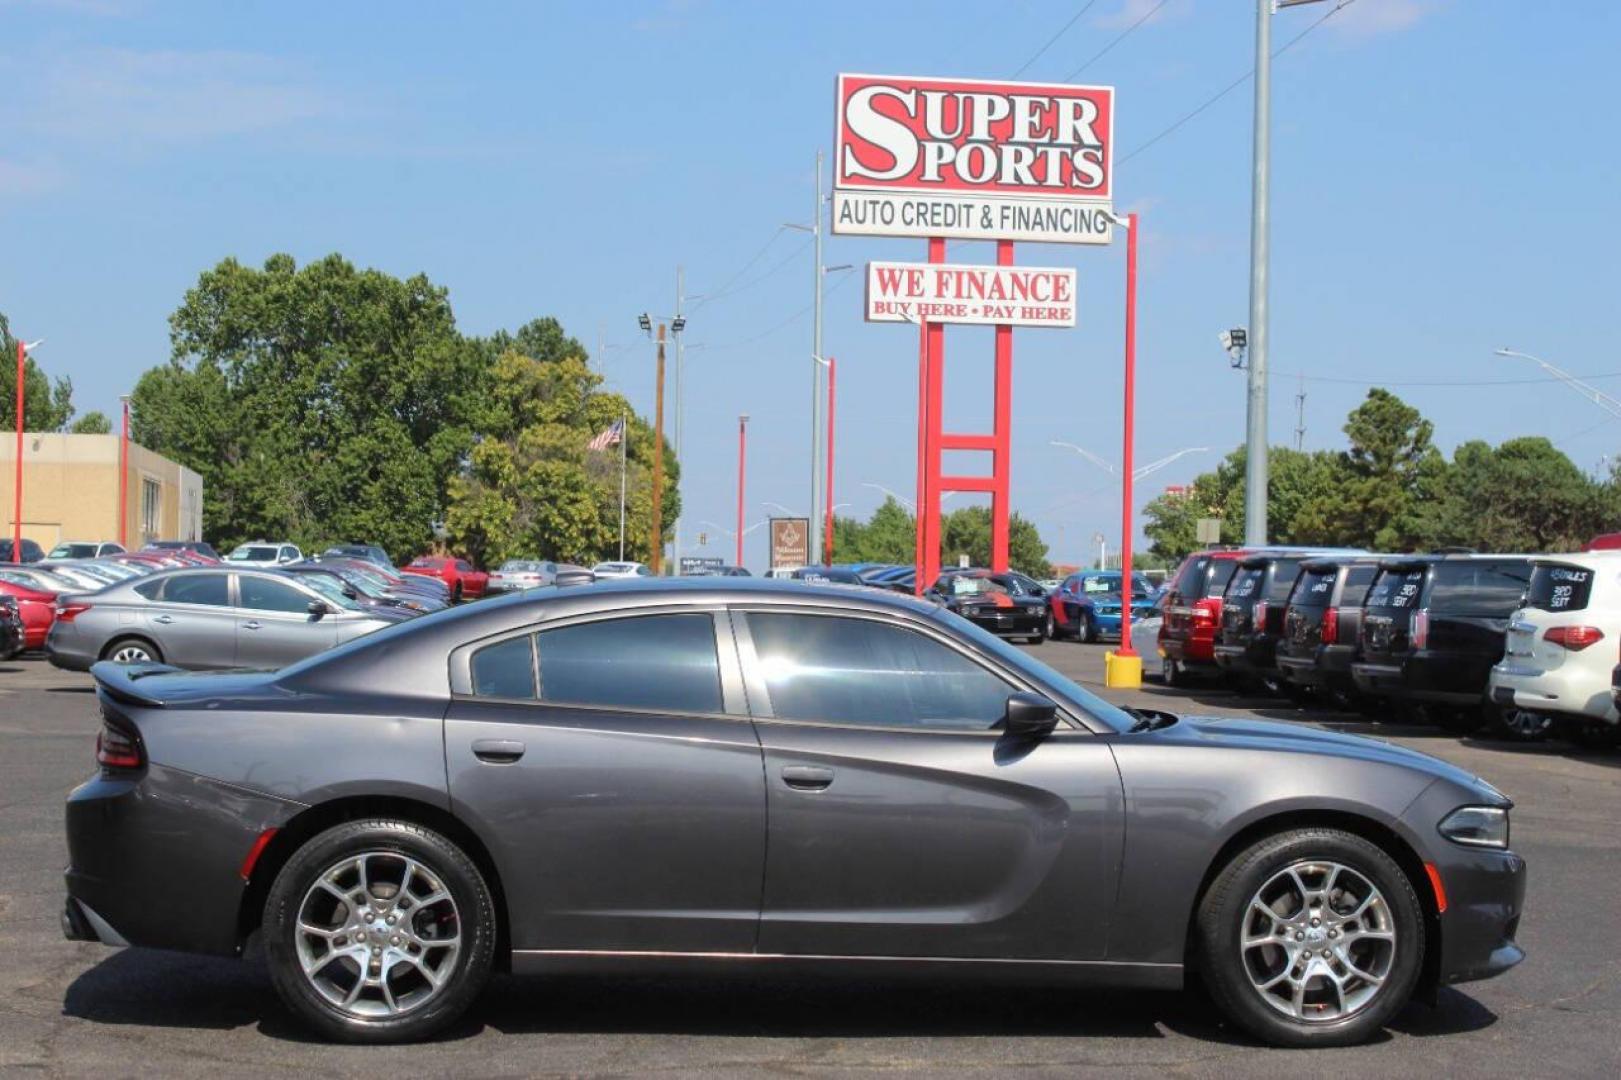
(392, 919)
(1300, 937)
(394, 940)
(1314, 922)
(1307, 954)
(1333, 933)
(377, 950)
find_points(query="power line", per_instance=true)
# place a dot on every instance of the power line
(1123, 35)
(784, 324)
(1340, 6)
(1440, 383)
(728, 290)
(756, 257)
(1053, 40)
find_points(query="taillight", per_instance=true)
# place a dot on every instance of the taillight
(1574, 638)
(1421, 628)
(69, 612)
(1258, 614)
(1331, 625)
(1202, 614)
(118, 749)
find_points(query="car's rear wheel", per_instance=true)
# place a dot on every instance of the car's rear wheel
(1311, 937)
(1173, 673)
(1087, 630)
(1050, 630)
(132, 650)
(379, 931)
(456, 593)
(1517, 724)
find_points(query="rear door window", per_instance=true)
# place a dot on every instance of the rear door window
(1246, 584)
(1314, 588)
(1560, 588)
(1396, 589)
(212, 590)
(665, 663)
(1479, 586)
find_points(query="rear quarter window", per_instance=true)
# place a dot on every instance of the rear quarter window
(1284, 572)
(1479, 587)
(1396, 590)
(1357, 581)
(1189, 583)
(1221, 574)
(1560, 588)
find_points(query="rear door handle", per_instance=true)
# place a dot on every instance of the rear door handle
(250, 625)
(807, 777)
(498, 751)
(164, 619)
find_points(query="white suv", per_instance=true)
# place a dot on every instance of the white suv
(264, 554)
(1561, 647)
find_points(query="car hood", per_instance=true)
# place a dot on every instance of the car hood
(1297, 738)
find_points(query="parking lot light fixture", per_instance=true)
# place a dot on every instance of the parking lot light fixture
(1592, 393)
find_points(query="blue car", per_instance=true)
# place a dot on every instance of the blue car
(1087, 605)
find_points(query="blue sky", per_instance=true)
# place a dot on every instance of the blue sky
(1446, 181)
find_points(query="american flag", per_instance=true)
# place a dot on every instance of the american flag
(609, 436)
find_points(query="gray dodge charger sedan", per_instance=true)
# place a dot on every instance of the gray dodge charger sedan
(660, 774)
(209, 617)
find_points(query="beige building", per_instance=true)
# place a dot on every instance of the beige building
(70, 491)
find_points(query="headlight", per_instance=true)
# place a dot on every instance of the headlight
(1477, 826)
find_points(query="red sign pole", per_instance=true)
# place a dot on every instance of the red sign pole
(929, 508)
(921, 495)
(1130, 424)
(17, 491)
(832, 365)
(1002, 432)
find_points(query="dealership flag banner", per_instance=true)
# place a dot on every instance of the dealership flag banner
(977, 295)
(973, 160)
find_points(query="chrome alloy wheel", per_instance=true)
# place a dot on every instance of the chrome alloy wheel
(131, 653)
(1318, 941)
(378, 934)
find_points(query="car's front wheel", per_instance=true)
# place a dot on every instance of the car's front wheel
(1311, 937)
(379, 931)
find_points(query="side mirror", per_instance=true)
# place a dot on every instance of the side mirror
(351, 593)
(1029, 715)
(318, 608)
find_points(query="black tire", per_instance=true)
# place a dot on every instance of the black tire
(1517, 725)
(381, 838)
(456, 593)
(1174, 673)
(1087, 630)
(1050, 628)
(154, 654)
(1225, 907)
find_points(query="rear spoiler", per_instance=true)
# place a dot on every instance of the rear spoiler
(121, 681)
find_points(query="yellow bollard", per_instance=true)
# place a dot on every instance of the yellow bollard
(1122, 672)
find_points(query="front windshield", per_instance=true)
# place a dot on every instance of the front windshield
(254, 553)
(1094, 706)
(330, 588)
(72, 551)
(963, 585)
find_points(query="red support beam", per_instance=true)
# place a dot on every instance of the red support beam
(1126, 457)
(929, 507)
(968, 442)
(1002, 431)
(968, 483)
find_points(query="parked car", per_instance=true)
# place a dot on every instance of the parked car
(85, 549)
(1433, 628)
(83, 576)
(606, 570)
(1145, 632)
(1087, 605)
(194, 547)
(208, 617)
(36, 607)
(521, 574)
(731, 571)
(1192, 611)
(1322, 623)
(12, 633)
(895, 783)
(1252, 617)
(827, 575)
(260, 553)
(360, 590)
(994, 602)
(401, 584)
(31, 552)
(464, 580)
(367, 552)
(1557, 670)
(35, 576)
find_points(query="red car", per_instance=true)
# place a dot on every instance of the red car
(36, 606)
(1192, 607)
(465, 581)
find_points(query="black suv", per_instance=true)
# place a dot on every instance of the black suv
(1322, 622)
(1432, 628)
(1252, 615)
(31, 552)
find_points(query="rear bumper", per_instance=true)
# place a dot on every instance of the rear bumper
(66, 648)
(155, 859)
(1191, 651)
(1254, 656)
(1327, 666)
(1568, 691)
(1416, 679)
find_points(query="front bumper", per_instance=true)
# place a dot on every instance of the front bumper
(154, 859)
(1009, 622)
(1485, 897)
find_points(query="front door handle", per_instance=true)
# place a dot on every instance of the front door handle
(164, 619)
(807, 777)
(498, 751)
(250, 625)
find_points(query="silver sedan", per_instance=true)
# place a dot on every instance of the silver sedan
(208, 617)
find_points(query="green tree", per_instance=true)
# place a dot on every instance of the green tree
(318, 403)
(92, 423)
(47, 403)
(967, 531)
(1390, 464)
(1524, 495)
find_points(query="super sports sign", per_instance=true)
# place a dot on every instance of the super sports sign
(973, 160)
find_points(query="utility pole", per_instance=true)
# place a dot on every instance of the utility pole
(816, 368)
(742, 461)
(679, 325)
(656, 560)
(1300, 414)
(1255, 470)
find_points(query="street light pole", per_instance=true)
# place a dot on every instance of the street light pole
(1255, 464)
(123, 478)
(827, 491)
(656, 556)
(816, 363)
(678, 325)
(742, 459)
(17, 488)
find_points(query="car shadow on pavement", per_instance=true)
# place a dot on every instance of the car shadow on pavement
(148, 988)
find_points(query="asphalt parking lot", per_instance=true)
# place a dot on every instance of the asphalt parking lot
(73, 1009)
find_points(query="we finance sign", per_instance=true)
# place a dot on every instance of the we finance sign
(981, 295)
(973, 160)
